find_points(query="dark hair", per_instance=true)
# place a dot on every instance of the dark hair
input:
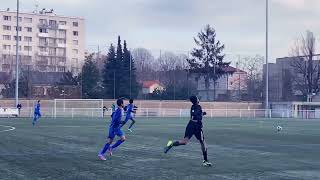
(131, 101)
(38, 101)
(194, 99)
(120, 102)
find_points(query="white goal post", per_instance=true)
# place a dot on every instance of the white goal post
(78, 108)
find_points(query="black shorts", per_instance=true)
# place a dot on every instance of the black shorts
(195, 129)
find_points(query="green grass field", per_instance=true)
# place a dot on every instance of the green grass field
(239, 149)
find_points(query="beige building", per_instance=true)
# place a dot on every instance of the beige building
(47, 42)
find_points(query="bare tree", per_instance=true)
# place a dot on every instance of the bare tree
(144, 63)
(253, 66)
(306, 66)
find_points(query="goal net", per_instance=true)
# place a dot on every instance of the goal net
(78, 108)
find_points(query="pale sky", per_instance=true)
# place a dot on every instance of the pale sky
(170, 25)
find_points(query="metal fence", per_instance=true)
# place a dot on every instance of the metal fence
(168, 112)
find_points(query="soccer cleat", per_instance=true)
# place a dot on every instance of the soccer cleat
(168, 147)
(101, 157)
(130, 130)
(206, 163)
(33, 123)
(110, 151)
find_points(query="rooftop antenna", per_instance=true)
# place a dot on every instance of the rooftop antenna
(36, 7)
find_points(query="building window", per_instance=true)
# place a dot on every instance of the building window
(28, 29)
(6, 28)
(6, 47)
(28, 39)
(75, 51)
(6, 37)
(63, 22)
(14, 47)
(43, 49)
(75, 42)
(15, 38)
(43, 21)
(75, 33)
(7, 18)
(62, 41)
(27, 48)
(20, 19)
(75, 24)
(20, 28)
(43, 30)
(52, 22)
(61, 69)
(27, 20)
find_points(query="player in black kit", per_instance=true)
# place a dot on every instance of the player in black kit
(194, 127)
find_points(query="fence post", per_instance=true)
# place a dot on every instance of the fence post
(254, 113)
(180, 112)
(240, 113)
(270, 114)
(147, 112)
(226, 112)
(211, 113)
(72, 113)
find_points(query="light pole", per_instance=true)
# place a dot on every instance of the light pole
(267, 54)
(17, 57)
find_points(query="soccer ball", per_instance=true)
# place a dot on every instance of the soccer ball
(279, 128)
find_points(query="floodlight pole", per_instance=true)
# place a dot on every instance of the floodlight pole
(17, 57)
(267, 62)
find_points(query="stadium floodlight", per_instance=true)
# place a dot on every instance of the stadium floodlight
(17, 57)
(267, 62)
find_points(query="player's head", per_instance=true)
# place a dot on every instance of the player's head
(194, 100)
(39, 101)
(131, 101)
(120, 102)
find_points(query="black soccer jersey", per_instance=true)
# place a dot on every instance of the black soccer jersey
(196, 113)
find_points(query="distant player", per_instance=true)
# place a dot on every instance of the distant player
(37, 113)
(114, 130)
(130, 110)
(194, 127)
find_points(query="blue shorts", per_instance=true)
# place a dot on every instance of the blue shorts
(115, 132)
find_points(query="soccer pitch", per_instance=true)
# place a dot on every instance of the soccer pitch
(239, 149)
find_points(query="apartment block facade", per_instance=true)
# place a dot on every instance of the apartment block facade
(47, 42)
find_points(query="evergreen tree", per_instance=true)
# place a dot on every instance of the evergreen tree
(90, 79)
(207, 61)
(110, 74)
(130, 86)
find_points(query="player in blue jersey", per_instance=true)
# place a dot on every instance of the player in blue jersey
(130, 110)
(114, 130)
(37, 113)
(194, 127)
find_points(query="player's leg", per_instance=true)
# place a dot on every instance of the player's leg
(199, 135)
(125, 121)
(132, 123)
(107, 145)
(187, 136)
(34, 118)
(119, 142)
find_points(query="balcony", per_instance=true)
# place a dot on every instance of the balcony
(48, 26)
(61, 45)
(43, 53)
(65, 27)
(43, 35)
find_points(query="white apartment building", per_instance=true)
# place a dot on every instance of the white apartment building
(47, 42)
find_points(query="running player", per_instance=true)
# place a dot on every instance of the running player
(130, 109)
(114, 130)
(37, 113)
(194, 127)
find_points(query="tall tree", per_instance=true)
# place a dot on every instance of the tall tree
(207, 59)
(306, 68)
(144, 61)
(90, 79)
(130, 86)
(69, 79)
(110, 74)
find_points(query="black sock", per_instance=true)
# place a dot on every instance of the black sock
(205, 155)
(176, 143)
